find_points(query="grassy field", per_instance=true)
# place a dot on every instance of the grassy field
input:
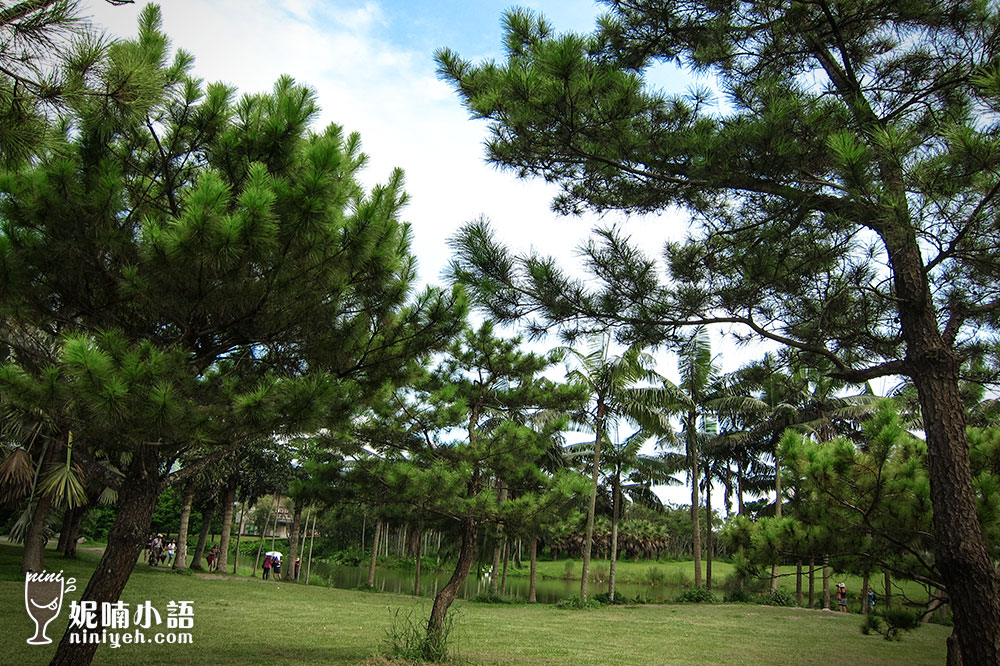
(246, 621)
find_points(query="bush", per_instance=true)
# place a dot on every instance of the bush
(367, 587)
(777, 597)
(605, 599)
(408, 639)
(575, 603)
(696, 595)
(490, 598)
(890, 623)
(739, 595)
(655, 575)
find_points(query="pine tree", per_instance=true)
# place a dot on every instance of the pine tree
(214, 273)
(845, 197)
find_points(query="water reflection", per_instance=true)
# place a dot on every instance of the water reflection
(547, 590)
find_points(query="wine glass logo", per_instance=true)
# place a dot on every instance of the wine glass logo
(43, 596)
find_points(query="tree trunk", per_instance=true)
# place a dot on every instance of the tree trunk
(741, 508)
(692, 450)
(293, 540)
(239, 533)
(532, 576)
(960, 550)
(709, 538)
(312, 539)
(588, 540)
(33, 558)
(887, 577)
(67, 520)
(126, 539)
(812, 582)
(777, 511)
(615, 503)
(375, 545)
(228, 506)
(187, 501)
(826, 582)
(206, 526)
(798, 583)
(498, 544)
(74, 530)
(506, 561)
(865, 582)
(447, 594)
(415, 538)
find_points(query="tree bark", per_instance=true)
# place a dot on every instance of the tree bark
(187, 501)
(812, 582)
(588, 540)
(532, 576)
(615, 503)
(692, 449)
(798, 582)
(206, 525)
(777, 511)
(709, 539)
(126, 539)
(64, 530)
(447, 594)
(239, 533)
(74, 530)
(826, 582)
(33, 557)
(887, 578)
(293, 539)
(228, 506)
(375, 545)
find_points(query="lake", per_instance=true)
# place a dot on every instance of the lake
(547, 591)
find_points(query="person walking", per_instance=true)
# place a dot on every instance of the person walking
(842, 597)
(268, 561)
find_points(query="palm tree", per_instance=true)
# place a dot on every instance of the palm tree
(631, 474)
(621, 387)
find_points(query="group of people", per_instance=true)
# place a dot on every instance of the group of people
(160, 550)
(842, 597)
(272, 567)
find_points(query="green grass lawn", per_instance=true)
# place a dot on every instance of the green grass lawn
(245, 621)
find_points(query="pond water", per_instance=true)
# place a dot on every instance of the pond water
(547, 590)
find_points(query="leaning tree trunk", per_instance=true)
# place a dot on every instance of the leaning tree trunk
(447, 594)
(126, 539)
(64, 529)
(206, 526)
(74, 530)
(187, 501)
(228, 507)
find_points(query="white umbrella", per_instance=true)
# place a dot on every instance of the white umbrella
(273, 553)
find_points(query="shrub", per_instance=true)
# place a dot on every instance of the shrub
(575, 603)
(490, 598)
(890, 623)
(777, 597)
(605, 599)
(655, 575)
(408, 639)
(739, 595)
(367, 587)
(696, 595)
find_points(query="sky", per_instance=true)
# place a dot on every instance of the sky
(372, 66)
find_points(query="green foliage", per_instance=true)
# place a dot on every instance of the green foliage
(890, 623)
(367, 587)
(492, 598)
(576, 603)
(778, 597)
(409, 639)
(696, 595)
(739, 595)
